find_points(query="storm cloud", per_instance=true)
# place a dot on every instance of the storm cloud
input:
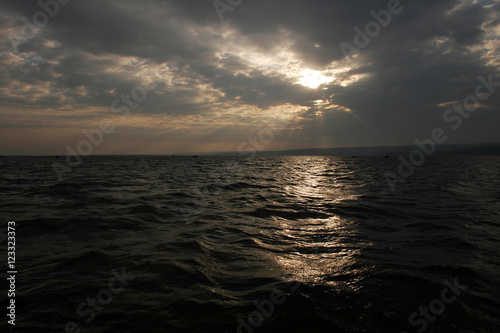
(219, 80)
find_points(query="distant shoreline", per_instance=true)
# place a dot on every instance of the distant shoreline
(485, 149)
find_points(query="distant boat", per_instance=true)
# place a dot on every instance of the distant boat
(195, 156)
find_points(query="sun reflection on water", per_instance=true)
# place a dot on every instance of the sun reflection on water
(322, 246)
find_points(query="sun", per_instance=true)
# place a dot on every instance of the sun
(313, 79)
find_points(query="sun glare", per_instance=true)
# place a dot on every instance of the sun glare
(313, 79)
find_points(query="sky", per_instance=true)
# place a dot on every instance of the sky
(179, 76)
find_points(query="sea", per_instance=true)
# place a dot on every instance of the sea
(239, 244)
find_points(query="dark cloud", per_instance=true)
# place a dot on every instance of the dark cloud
(92, 52)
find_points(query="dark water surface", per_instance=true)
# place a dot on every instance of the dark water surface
(275, 244)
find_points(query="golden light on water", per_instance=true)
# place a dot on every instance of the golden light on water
(315, 261)
(320, 249)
